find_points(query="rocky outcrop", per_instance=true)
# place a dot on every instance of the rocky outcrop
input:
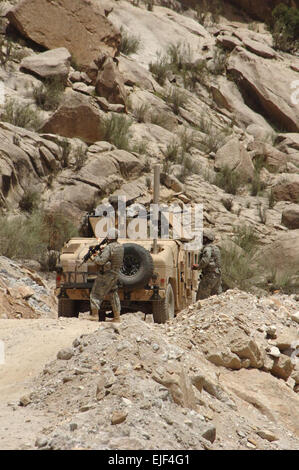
(271, 97)
(234, 156)
(77, 116)
(79, 25)
(110, 84)
(49, 64)
(290, 217)
(23, 293)
(286, 188)
(282, 255)
(25, 158)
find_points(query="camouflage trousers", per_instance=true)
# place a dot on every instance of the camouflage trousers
(210, 284)
(105, 284)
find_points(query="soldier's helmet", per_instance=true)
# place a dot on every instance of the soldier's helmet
(208, 235)
(113, 234)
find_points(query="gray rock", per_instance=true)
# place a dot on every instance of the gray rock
(65, 354)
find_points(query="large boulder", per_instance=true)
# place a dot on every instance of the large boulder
(110, 83)
(287, 188)
(227, 95)
(290, 217)
(273, 158)
(79, 25)
(77, 116)
(273, 97)
(234, 156)
(49, 64)
(282, 255)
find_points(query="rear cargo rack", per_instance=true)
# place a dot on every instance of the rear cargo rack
(75, 279)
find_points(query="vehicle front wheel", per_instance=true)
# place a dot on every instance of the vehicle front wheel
(163, 310)
(67, 308)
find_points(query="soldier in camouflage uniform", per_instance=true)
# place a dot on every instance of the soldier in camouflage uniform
(110, 262)
(210, 264)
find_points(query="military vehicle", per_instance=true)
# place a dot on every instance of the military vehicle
(156, 277)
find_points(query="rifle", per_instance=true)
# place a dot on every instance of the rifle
(92, 250)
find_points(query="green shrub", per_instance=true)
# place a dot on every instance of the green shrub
(66, 150)
(20, 115)
(30, 200)
(141, 112)
(257, 186)
(172, 152)
(129, 44)
(236, 269)
(159, 69)
(32, 237)
(228, 180)
(160, 119)
(219, 62)
(80, 157)
(48, 96)
(176, 99)
(285, 27)
(115, 129)
(245, 238)
(139, 147)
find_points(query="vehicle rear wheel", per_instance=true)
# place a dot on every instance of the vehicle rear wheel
(163, 310)
(67, 308)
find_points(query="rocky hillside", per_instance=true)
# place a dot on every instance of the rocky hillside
(179, 83)
(93, 93)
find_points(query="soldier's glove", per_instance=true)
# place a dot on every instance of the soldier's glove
(195, 267)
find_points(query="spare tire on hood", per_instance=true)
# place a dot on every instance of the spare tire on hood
(138, 266)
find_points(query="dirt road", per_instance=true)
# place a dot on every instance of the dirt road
(29, 345)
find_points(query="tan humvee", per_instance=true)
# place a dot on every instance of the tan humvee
(166, 282)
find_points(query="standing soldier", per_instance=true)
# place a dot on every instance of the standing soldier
(110, 262)
(210, 264)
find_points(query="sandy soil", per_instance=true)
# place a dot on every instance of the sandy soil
(29, 345)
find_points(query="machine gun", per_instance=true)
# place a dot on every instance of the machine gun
(92, 250)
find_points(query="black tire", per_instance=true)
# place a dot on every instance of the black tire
(67, 308)
(163, 310)
(138, 266)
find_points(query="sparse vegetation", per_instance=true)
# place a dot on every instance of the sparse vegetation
(159, 69)
(129, 44)
(271, 199)
(176, 99)
(115, 129)
(80, 157)
(9, 51)
(48, 96)
(34, 236)
(245, 238)
(20, 115)
(257, 186)
(139, 147)
(228, 180)
(66, 149)
(30, 200)
(228, 203)
(160, 119)
(237, 267)
(219, 62)
(209, 11)
(141, 112)
(284, 26)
